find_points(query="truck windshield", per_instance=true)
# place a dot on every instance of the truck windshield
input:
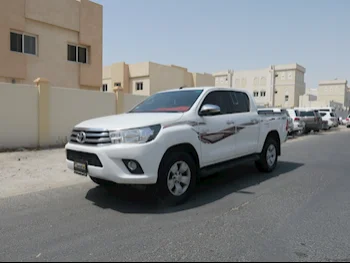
(172, 101)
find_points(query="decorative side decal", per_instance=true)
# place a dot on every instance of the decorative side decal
(215, 137)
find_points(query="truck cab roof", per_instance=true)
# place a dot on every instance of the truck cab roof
(207, 88)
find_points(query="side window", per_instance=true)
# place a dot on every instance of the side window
(221, 99)
(241, 102)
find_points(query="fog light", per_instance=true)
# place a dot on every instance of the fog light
(132, 165)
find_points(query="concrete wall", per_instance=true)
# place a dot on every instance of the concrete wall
(43, 116)
(54, 24)
(69, 107)
(130, 101)
(18, 116)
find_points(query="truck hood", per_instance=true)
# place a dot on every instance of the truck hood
(130, 120)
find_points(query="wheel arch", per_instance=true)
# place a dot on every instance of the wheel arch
(183, 147)
(275, 135)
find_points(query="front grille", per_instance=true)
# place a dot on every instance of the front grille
(95, 137)
(90, 158)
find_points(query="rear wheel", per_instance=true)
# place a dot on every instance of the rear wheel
(268, 156)
(176, 178)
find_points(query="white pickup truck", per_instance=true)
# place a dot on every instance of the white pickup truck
(175, 137)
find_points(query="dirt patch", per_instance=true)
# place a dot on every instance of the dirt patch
(30, 171)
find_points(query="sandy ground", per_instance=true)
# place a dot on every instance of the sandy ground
(33, 171)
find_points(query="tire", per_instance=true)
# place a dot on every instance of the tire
(101, 182)
(270, 149)
(307, 131)
(301, 132)
(170, 177)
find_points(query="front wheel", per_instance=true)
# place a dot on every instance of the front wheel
(268, 157)
(176, 178)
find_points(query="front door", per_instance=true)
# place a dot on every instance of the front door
(217, 134)
(247, 125)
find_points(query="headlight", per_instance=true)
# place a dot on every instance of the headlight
(135, 136)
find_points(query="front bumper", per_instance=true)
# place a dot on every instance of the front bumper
(106, 162)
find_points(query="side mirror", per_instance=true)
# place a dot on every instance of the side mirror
(209, 110)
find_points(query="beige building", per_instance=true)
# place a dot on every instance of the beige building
(279, 85)
(57, 40)
(334, 91)
(330, 93)
(148, 78)
(289, 84)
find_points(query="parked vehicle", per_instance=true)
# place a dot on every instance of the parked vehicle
(298, 123)
(175, 137)
(326, 109)
(325, 125)
(347, 121)
(329, 117)
(312, 119)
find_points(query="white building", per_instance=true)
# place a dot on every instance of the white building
(279, 85)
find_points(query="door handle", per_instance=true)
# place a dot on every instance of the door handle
(230, 122)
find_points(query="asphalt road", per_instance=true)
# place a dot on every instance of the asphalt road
(299, 213)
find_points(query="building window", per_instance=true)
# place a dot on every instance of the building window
(290, 75)
(263, 93)
(77, 54)
(104, 87)
(286, 98)
(139, 85)
(23, 43)
(283, 76)
(256, 94)
(117, 84)
(263, 81)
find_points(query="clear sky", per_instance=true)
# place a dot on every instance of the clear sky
(209, 36)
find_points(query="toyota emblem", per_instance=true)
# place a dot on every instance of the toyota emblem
(81, 137)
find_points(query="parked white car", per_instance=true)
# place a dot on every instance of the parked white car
(330, 118)
(346, 121)
(297, 122)
(173, 138)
